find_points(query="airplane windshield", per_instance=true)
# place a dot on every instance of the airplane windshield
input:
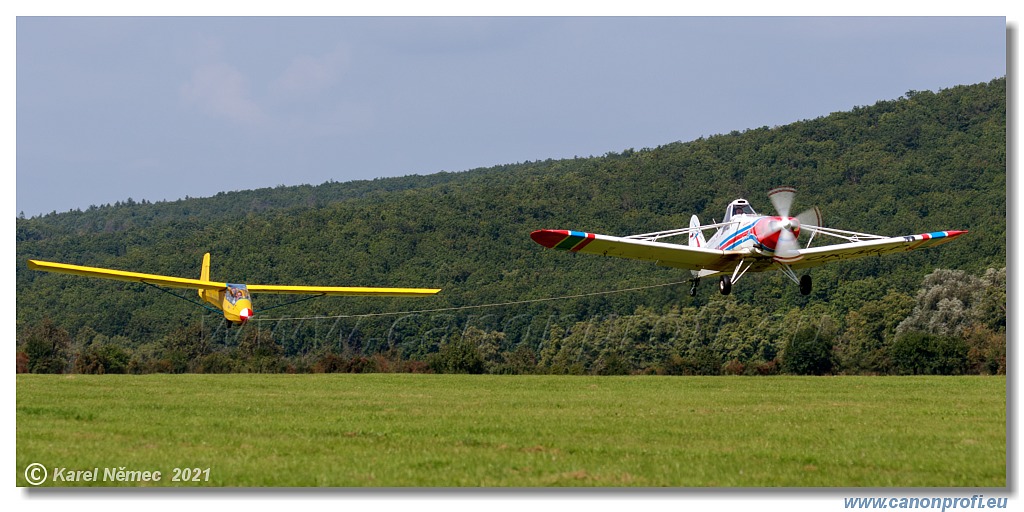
(738, 208)
(237, 292)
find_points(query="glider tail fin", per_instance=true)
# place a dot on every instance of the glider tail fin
(205, 276)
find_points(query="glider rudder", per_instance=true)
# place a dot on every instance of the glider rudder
(204, 275)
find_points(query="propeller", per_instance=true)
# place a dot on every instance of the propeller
(787, 247)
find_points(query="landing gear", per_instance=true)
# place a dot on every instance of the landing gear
(805, 285)
(725, 285)
(725, 282)
(803, 281)
(693, 287)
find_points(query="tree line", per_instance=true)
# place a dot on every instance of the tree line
(956, 324)
(920, 163)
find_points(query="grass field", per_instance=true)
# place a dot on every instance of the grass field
(388, 430)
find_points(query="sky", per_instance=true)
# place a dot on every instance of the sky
(160, 108)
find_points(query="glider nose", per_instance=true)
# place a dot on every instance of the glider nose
(245, 314)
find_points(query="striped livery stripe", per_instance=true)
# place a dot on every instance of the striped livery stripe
(562, 239)
(574, 241)
(930, 239)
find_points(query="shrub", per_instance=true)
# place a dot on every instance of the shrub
(21, 360)
(700, 362)
(767, 368)
(521, 361)
(362, 365)
(734, 367)
(330, 363)
(919, 353)
(48, 348)
(611, 363)
(217, 362)
(457, 356)
(101, 359)
(808, 352)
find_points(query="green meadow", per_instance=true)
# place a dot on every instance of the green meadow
(399, 430)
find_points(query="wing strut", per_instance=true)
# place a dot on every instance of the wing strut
(186, 299)
(789, 273)
(738, 273)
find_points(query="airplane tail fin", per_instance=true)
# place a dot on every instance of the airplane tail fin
(696, 236)
(696, 240)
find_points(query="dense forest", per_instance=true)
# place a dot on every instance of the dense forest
(924, 162)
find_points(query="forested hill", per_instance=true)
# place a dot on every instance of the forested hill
(924, 162)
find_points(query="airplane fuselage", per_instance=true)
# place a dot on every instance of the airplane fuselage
(757, 232)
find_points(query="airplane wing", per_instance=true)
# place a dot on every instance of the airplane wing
(697, 258)
(668, 255)
(341, 290)
(121, 275)
(828, 253)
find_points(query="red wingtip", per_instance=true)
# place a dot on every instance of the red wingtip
(549, 237)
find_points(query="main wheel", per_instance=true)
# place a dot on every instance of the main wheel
(805, 285)
(725, 285)
(693, 288)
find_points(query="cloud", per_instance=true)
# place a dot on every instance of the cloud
(221, 91)
(307, 74)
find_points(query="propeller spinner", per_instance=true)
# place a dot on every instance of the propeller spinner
(784, 230)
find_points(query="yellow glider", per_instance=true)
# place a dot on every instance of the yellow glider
(232, 299)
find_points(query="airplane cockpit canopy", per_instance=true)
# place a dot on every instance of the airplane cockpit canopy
(738, 207)
(236, 292)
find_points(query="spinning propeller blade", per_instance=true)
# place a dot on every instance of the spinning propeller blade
(782, 199)
(788, 247)
(811, 217)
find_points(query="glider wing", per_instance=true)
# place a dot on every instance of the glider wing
(828, 253)
(341, 290)
(181, 282)
(121, 275)
(668, 255)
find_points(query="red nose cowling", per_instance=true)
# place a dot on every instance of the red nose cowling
(768, 229)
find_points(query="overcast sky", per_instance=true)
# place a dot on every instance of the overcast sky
(163, 108)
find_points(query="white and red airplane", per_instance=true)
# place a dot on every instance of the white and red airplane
(743, 242)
